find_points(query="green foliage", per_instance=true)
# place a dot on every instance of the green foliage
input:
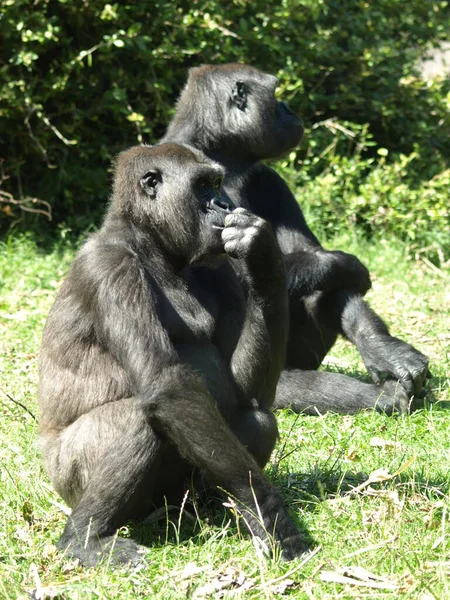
(376, 195)
(80, 81)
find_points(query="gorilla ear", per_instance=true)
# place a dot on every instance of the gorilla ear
(150, 182)
(239, 95)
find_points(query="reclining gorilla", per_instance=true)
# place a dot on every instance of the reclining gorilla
(156, 358)
(230, 113)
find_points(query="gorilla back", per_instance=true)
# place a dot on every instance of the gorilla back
(156, 358)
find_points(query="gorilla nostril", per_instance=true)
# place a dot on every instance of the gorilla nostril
(221, 204)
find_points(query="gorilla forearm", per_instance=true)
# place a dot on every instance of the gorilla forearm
(258, 359)
(197, 416)
(357, 319)
(259, 355)
(384, 356)
(320, 270)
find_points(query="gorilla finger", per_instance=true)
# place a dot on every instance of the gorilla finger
(243, 237)
(375, 375)
(417, 382)
(231, 233)
(242, 220)
(238, 213)
(232, 248)
(408, 386)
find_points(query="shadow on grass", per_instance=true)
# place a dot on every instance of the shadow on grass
(323, 483)
(204, 517)
(201, 519)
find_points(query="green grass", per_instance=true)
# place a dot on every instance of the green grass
(397, 529)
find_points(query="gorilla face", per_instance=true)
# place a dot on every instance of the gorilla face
(269, 127)
(239, 111)
(176, 199)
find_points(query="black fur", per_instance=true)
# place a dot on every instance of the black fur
(156, 358)
(230, 113)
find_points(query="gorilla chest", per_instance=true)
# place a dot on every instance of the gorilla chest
(188, 313)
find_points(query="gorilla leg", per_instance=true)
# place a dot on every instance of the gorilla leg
(316, 322)
(257, 430)
(104, 462)
(313, 392)
(312, 332)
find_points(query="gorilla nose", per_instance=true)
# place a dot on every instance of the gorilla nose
(284, 108)
(221, 204)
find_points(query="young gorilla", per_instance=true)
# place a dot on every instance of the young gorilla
(155, 360)
(230, 113)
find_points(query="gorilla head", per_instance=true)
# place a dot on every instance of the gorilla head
(172, 193)
(232, 108)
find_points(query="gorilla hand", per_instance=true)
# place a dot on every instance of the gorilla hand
(251, 239)
(385, 354)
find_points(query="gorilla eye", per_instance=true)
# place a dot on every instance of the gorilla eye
(239, 95)
(150, 181)
(217, 184)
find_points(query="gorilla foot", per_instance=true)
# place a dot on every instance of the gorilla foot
(391, 398)
(277, 532)
(295, 546)
(112, 549)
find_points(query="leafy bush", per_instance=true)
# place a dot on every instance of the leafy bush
(80, 81)
(380, 201)
(374, 193)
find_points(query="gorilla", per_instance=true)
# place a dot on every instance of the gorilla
(158, 357)
(231, 114)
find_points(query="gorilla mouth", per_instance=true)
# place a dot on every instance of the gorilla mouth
(217, 209)
(215, 218)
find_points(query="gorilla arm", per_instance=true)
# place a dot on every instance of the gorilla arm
(259, 355)
(383, 354)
